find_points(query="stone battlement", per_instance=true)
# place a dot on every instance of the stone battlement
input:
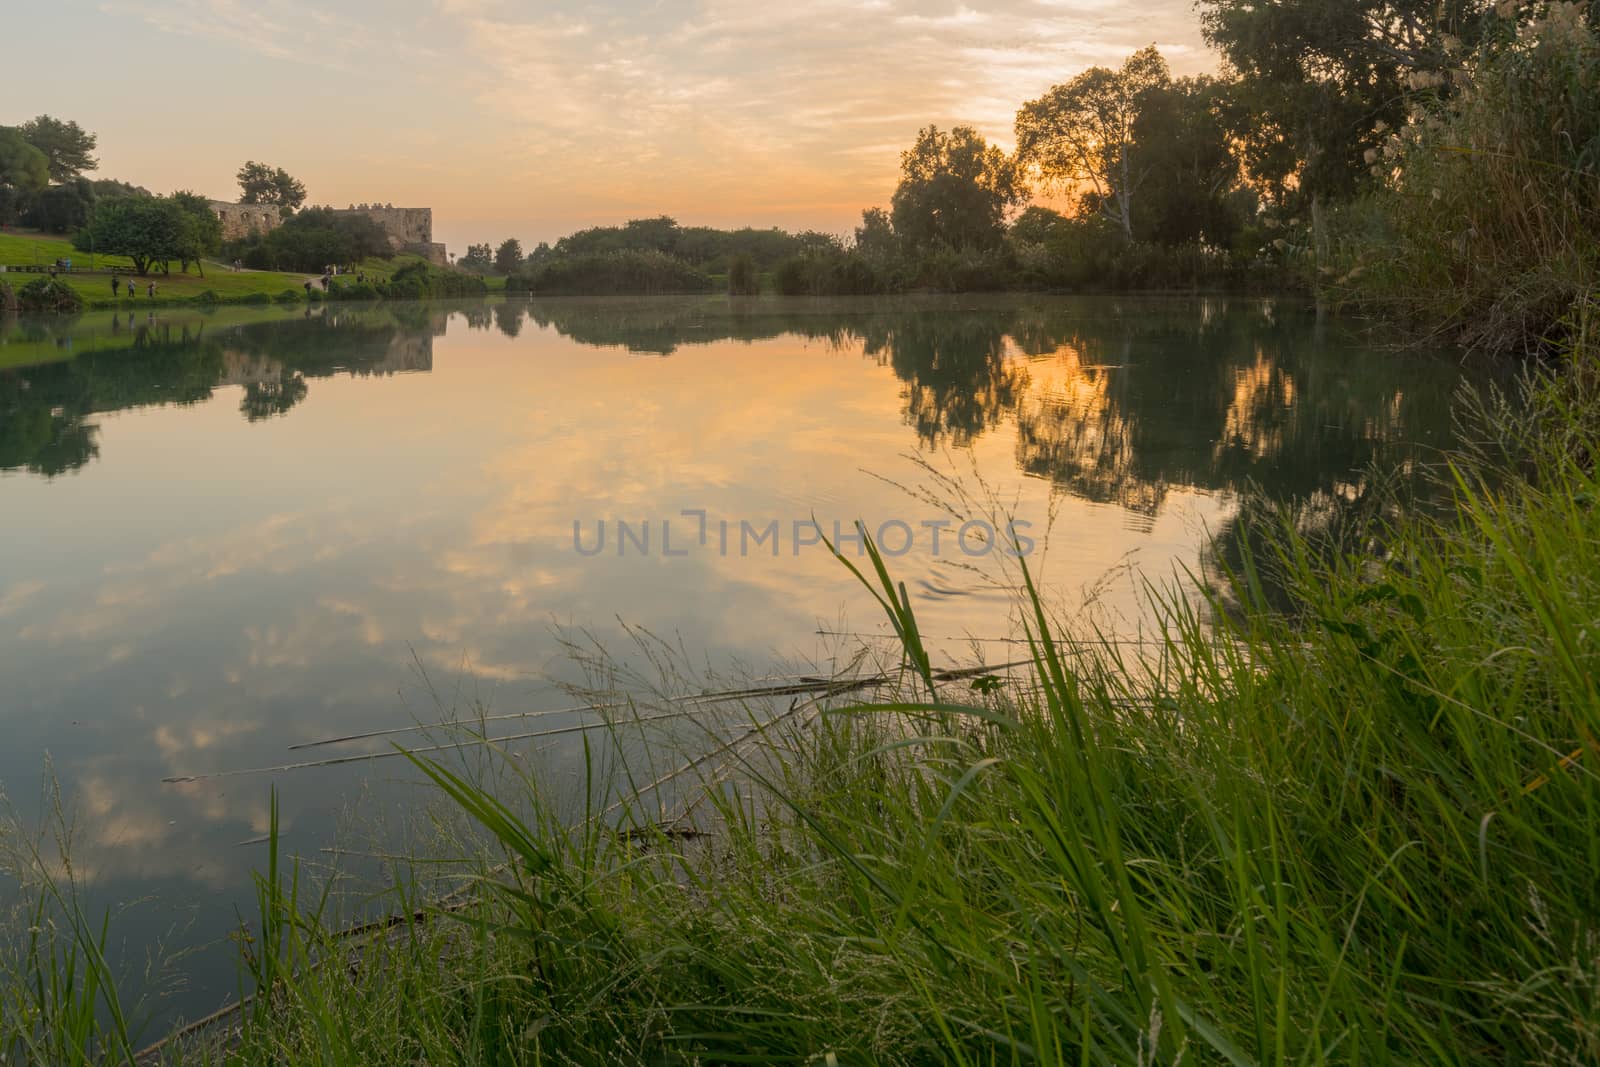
(410, 229)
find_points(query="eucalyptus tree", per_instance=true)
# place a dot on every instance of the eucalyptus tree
(1079, 136)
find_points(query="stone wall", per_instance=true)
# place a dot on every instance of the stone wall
(410, 229)
(404, 225)
(241, 220)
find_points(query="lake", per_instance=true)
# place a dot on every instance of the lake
(227, 533)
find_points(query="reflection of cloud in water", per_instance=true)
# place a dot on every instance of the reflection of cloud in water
(270, 583)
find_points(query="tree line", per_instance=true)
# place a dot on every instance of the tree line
(1300, 165)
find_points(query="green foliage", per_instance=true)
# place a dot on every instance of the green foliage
(832, 272)
(347, 290)
(150, 231)
(628, 272)
(68, 148)
(48, 294)
(955, 190)
(1181, 139)
(263, 184)
(1080, 135)
(743, 280)
(875, 237)
(24, 172)
(200, 231)
(312, 240)
(63, 208)
(478, 258)
(1486, 231)
(288, 296)
(508, 257)
(421, 281)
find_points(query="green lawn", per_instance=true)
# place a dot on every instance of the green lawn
(30, 248)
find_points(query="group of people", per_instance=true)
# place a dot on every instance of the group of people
(116, 287)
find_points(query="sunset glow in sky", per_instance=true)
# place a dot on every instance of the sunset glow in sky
(523, 119)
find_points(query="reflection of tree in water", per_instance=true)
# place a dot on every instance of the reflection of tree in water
(508, 318)
(1114, 399)
(46, 411)
(959, 379)
(263, 400)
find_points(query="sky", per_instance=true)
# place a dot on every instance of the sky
(526, 119)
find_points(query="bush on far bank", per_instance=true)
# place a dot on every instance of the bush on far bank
(629, 272)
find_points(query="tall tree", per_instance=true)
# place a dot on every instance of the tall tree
(1182, 141)
(200, 232)
(508, 257)
(1322, 80)
(955, 189)
(68, 147)
(478, 258)
(1079, 136)
(263, 184)
(24, 172)
(875, 237)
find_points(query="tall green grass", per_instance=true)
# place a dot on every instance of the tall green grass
(1352, 823)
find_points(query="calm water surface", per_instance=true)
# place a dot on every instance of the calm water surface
(225, 534)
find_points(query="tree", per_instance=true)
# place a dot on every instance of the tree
(24, 172)
(955, 190)
(200, 234)
(63, 208)
(68, 148)
(875, 237)
(478, 258)
(148, 230)
(312, 239)
(1322, 80)
(262, 184)
(508, 257)
(1037, 225)
(1079, 136)
(1181, 141)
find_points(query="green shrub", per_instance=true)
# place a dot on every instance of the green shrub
(209, 296)
(353, 291)
(48, 294)
(742, 277)
(610, 273)
(1487, 231)
(288, 296)
(833, 272)
(422, 281)
(8, 297)
(255, 298)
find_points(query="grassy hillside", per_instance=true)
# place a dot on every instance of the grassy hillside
(29, 248)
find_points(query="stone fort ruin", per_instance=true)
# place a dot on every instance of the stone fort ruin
(410, 229)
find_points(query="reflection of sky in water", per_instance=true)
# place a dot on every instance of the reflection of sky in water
(204, 590)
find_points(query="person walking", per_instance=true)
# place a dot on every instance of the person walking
(151, 291)
(116, 285)
(131, 289)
